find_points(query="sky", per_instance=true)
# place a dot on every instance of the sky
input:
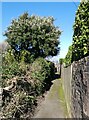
(63, 13)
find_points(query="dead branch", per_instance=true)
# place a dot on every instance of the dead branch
(13, 80)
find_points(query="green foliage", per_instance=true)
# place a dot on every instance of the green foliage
(11, 70)
(8, 57)
(33, 36)
(31, 81)
(10, 67)
(30, 39)
(41, 69)
(81, 32)
(68, 57)
(61, 60)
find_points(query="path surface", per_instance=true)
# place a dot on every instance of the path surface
(52, 106)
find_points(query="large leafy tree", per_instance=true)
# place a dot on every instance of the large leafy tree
(81, 32)
(32, 37)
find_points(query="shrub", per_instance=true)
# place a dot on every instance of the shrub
(31, 82)
(40, 69)
(43, 71)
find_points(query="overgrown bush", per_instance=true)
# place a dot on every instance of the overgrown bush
(11, 68)
(41, 69)
(81, 32)
(21, 100)
(18, 104)
(23, 82)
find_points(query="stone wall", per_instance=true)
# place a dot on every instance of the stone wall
(76, 80)
(80, 88)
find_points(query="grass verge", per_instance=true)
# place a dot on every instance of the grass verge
(62, 98)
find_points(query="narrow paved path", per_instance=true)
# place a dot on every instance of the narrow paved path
(52, 106)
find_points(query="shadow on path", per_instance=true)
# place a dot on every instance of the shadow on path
(50, 83)
(56, 76)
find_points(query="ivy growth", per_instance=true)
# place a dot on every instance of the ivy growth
(81, 32)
